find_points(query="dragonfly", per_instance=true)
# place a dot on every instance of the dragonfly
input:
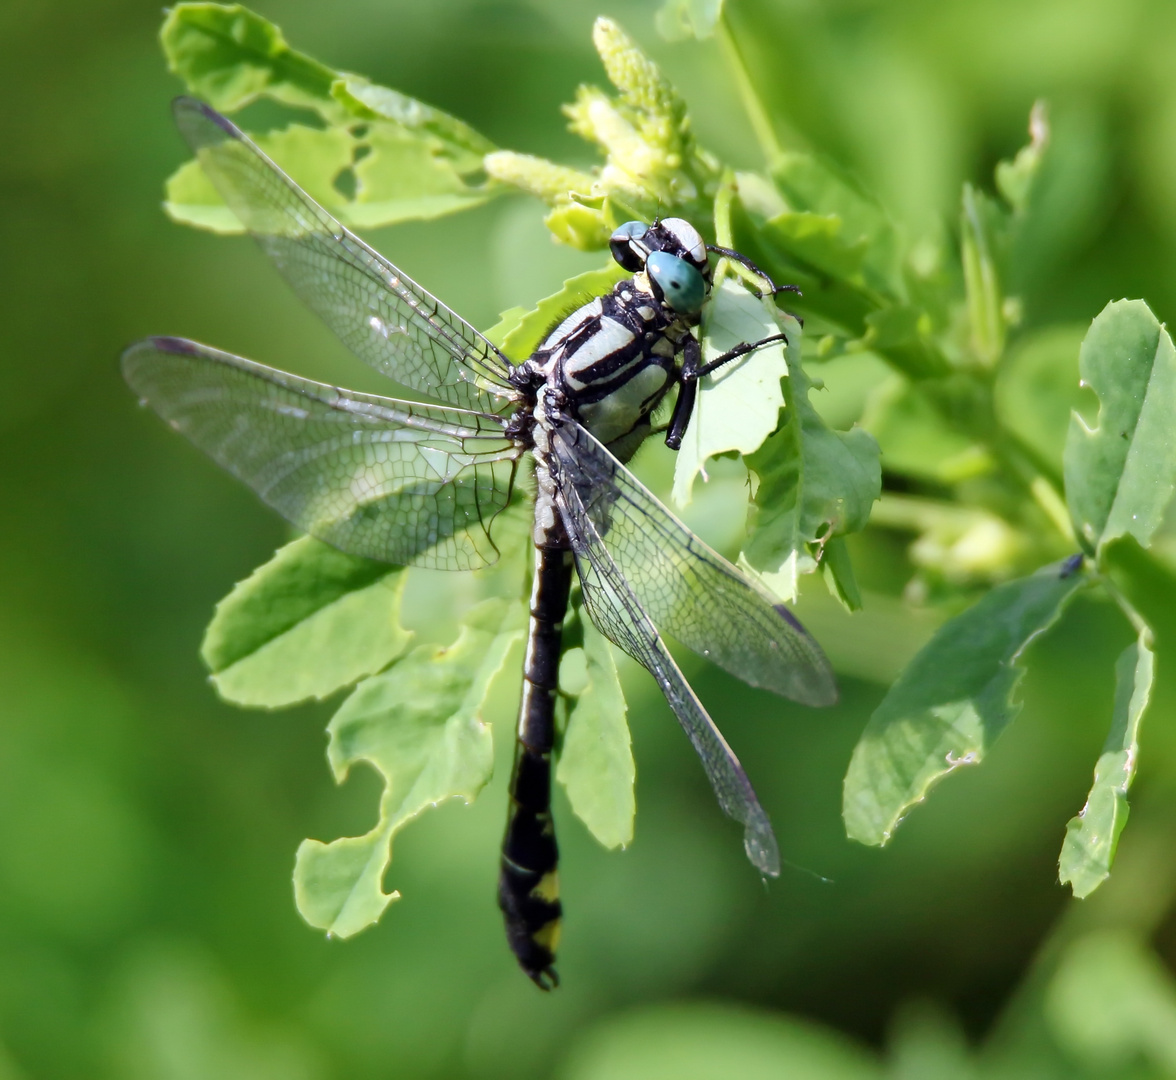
(422, 484)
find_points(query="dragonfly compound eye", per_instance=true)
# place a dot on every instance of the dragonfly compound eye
(686, 239)
(626, 247)
(681, 285)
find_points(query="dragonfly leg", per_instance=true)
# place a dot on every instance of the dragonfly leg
(687, 392)
(742, 349)
(743, 260)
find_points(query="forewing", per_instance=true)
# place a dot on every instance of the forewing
(617, 613)
(383, 317)
(386, 479)
(688, 589)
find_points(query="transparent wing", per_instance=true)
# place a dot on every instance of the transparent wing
(383, 317)
(688, 589)
(617, 614)
(386, 479)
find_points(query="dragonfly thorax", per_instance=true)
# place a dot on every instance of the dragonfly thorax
(613, 360)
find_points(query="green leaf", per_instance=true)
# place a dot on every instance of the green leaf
(837, 570)
(917, 440)
(1112, 1001)
(813, 186)
(419, 724)
(410, 160)
(314, 156)
(1120, 471)
(581, 227)
(819, 241)
(738, 406)
(309, 622)
(1092, 836)
(678, 20)
(1015, 179)
(1037, 389)
(229, 56)
(981, 224)
(951, 703)
(399, 177)
(369, 101)
(519, 332)
(814, 484)
(596, 760)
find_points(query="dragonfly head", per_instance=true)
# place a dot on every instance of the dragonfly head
(673, 254)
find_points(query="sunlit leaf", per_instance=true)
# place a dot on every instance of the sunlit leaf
(411, 161)
(1120, 469)
(952, 701)
(981, 223)
(519, 332)
(310, 621)
(579, 226)
(738, 406)
(370, 101)
(228, 55)
(814, 484)
(399, 177)
(314, 156)
(1092, 836)
(420, 726)
(681, 19)
(596, 760)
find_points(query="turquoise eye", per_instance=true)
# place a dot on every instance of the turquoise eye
(621, 245)
(680, 283)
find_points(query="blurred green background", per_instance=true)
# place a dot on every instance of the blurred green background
(147, 831)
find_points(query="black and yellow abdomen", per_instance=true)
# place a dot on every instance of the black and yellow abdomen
(528, 881)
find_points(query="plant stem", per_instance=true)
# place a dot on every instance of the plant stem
(1138, 623)
(761, 122)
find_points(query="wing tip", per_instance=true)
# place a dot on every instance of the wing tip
(163, 343)
(185, 106)
(759, 842)
(820, 689)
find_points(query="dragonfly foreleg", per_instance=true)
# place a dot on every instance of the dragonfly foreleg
(693, 369)
(743, 260)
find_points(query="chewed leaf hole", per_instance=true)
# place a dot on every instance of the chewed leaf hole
(346, 183)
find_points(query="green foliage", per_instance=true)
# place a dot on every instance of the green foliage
(1121, 467)
(1093, 835)
(814, 484)
(1112, 1003)
(679, 19)
(420, 726)
(952, 701)
(740, 403)
(519, 332)
(695, 1042)
(309, 622)
(595, 760)
(230, 56)
(383, 157)
(961, 448)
